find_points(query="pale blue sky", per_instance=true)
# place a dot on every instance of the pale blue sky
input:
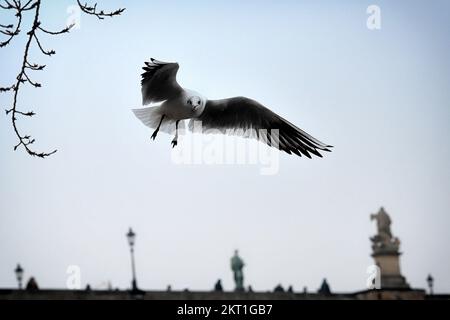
(380, 97)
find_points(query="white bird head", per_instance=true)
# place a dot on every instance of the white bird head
(195, 101)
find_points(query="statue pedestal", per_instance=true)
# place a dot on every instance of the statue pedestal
(389, 264)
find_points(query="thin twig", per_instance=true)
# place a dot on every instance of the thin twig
(65, 30)
(92, 10)
(47, 53)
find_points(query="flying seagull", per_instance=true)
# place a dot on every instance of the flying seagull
(236, 115)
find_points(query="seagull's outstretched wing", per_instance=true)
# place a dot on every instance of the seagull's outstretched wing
(159, 81)
(239, 114)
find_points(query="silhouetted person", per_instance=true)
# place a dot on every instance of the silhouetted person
(88, 287)
(169, 288)
(290, 289)
(218, 286)
(250, 289)
(278, 288)
(32, 285)
(325, 288)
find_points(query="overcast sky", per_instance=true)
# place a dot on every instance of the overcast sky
(381, 97)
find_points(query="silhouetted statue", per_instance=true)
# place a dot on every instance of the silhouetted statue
(88, 287)
(218, 286)
(383, 241)
(383, 223)
(324, 288)
(278, 288)
(32, 285)
(237, 265)
(290, 289)
(169, 288)
(250, 289)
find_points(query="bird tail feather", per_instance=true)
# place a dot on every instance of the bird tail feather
(151, 117)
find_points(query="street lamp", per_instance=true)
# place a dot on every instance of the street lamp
(131, 236)
(19, 275)
(430, 282)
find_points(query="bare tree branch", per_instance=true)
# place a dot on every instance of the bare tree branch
(23, 77)
(65, 30)
(18, 14)
(47, 53)
(7, 6)
(25, 140)
(35, 66)
(92, 10)
(4, 89)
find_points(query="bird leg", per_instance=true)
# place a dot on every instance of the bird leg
(175, 139)
(157, 129)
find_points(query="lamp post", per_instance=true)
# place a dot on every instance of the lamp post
(131, 236)
(430, 282)
(19, 275)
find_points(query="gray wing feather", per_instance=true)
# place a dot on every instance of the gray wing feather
(242, 114)
(159, 81)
